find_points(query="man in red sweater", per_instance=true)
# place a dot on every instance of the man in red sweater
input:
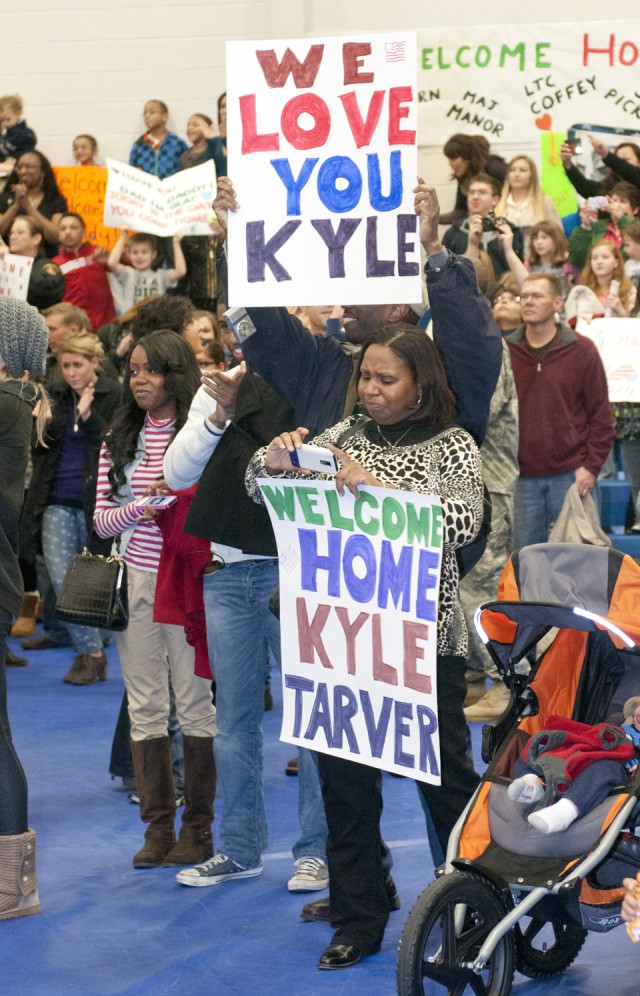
(566, 424)
(85, 272)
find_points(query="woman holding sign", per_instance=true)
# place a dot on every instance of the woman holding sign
(408, 442)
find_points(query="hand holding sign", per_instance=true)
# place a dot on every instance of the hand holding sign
(427, 208)
(224, 202)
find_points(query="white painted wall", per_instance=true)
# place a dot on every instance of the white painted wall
(90, 65)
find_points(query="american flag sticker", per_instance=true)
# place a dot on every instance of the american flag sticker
(395, 51)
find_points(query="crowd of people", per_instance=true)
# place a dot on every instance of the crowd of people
(487, 392)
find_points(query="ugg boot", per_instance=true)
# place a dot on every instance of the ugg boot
(25, 624)
(195, 843)
(18, 882)
(152, 765)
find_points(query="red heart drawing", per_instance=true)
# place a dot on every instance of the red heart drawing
(544, 122)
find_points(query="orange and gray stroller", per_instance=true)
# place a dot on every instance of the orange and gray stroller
(508, 896)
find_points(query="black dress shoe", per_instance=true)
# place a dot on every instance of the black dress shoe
(320, 909)
(42, 643)
(12, 661)
(340, 956)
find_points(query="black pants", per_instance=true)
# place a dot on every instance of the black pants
(13, 783)
(352, 795)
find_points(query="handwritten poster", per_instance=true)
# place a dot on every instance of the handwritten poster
(84, 188)
(181, 203)
(358, 610)
(322, 150)
(14, 275)
(510, 82)
(618, 342)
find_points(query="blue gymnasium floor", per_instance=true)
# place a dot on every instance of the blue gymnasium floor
(107, 929)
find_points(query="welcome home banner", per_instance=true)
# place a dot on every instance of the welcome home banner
(181, 203)
(618, 342)
(15, 272)
(358, 614)
(510, 82)
(322, 149)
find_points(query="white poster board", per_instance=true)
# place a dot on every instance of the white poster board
(510, 82)
(359, 585)
(181, 203)
(322, 151)
(618, 342)
(15, 272)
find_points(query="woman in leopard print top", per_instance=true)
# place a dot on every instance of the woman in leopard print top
(409, 443)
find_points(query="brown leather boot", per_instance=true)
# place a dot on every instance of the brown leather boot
(25, 624)
(86, 669)
(18, 882)
(195, 843)
(152, 765)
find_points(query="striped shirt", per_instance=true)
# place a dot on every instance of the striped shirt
(111, 519)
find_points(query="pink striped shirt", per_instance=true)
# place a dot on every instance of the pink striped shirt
(110, 519)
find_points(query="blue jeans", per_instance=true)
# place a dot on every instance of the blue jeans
(53, 627)
(13, 783)
(240, 628)
(64, 534)
(537, 503)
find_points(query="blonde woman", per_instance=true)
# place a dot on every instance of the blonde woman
(522, 201)
(61, 494)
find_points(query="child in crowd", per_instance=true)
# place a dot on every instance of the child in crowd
(596, 295)
(15, 136)
(139, 280)
(623, 206)
(158, 150)
(85, 150)
(549, 252)
(85, 271)
(631, 248)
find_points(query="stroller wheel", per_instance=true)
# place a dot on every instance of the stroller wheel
(546, 947)
(444, 932)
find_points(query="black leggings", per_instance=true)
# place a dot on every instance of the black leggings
(13, 783)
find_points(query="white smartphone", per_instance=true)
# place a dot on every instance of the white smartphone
(318, 458)
(158, 501)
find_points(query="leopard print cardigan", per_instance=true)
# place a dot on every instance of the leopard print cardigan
(447, 465)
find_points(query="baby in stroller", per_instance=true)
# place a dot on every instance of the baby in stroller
(526, 875)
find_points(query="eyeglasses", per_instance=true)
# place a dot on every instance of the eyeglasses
(507, 298)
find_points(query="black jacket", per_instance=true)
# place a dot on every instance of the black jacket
(221, 510)
(45, 460)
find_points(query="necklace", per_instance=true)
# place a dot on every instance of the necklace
(398, 441)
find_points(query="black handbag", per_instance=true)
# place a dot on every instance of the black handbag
(94, 592)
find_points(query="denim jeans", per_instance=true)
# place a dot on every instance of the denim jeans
(240, 627)
(64, 534)
(13, 783)
(537, 504)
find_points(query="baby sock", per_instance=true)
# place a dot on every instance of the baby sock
(554, 818)
(526, 789)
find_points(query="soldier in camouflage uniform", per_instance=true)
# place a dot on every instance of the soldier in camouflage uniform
(499, 453)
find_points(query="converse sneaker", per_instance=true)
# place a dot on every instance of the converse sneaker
(220, 868)
(311, 875)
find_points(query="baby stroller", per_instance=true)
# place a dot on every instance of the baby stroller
(508, 896)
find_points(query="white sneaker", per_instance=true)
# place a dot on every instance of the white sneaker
(311, 875)
(220, 868)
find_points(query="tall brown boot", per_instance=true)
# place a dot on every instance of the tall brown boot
(195, 843)
(152, 765)
(18, 882)
(25, 624)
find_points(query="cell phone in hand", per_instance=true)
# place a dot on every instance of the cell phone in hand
(318, 458)
(158, 501)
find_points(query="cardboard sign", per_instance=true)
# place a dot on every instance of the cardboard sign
(359, 585)
(510, 82)
(323, 155)
(15, 272)
(84, 188)
(181, 203)
(618, 342)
